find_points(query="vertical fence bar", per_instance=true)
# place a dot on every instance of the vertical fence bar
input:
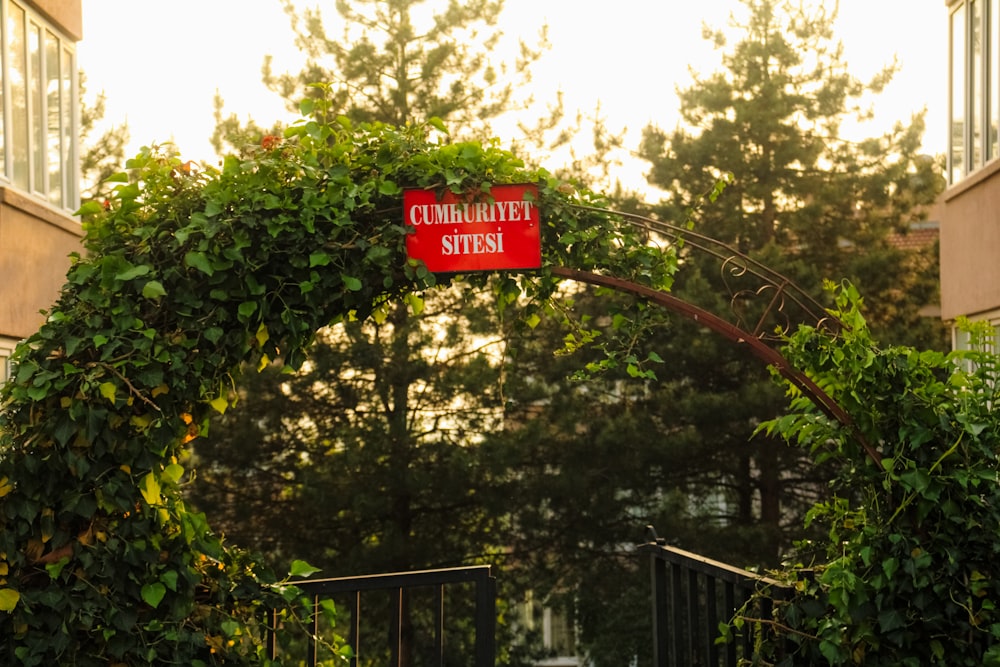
(486, 620)
(439, 624)
(712, 623)
(313, 658)
(272, 634)
(396, 629)
(748, 628)
(658, 568)
(354, 633)
(677, 606)
(730, 602)
(694, 618)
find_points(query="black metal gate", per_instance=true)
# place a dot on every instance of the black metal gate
(397, 586)
(693, 597)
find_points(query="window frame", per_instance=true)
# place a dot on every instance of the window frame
(973, 87)
(7, 346)
(51, 160)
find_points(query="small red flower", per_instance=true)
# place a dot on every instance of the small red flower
(270, 141)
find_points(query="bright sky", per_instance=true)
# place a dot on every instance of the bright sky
(160, 63)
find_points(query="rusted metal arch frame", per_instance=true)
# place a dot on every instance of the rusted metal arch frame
(761, 350)
(737, 264)
(771, 279)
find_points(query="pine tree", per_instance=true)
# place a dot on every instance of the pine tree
(102, 156)
(804, 199)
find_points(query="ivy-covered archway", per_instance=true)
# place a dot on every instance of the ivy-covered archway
(188, 277)
(191, 275)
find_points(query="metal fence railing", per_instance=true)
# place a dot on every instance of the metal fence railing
(471, 591)
(693, 597)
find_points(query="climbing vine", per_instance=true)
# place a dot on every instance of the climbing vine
(909, 573)
(190, 274)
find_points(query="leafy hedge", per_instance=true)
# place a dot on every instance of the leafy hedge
(910, 574)
(189, 275)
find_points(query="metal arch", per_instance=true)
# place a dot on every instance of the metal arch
(784, 294)
(782, 291)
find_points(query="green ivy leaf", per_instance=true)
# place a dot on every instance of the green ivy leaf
(55, 569)
(212, 209)
(437, 124)
(133, 272)
(300, 568)
(219, 404)
(153, 290)
(150, 489)
(415, 303)
(319, 259)
(89, 208)
(246, 309)
(351, 283)
(173, 473)
(152, 594)
(388, 188)
(169, 579)
(200, 261)
(108, 391)
(8, 599)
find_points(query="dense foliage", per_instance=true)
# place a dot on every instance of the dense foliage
(190, 276)
(908, 572)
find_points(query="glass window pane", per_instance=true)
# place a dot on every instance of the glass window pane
(4, 58)
(36, 108)
(978, 58)
(957, 102)
(53, 115)
(69, 169)
(17, 70)
(993, 79)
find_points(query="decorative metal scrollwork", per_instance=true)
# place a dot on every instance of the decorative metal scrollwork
(762, 302)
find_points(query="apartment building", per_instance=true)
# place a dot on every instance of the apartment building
(39, 162)
(970, 218)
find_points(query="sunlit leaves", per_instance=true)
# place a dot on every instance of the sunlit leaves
(8, 599)
(109, 390)
(219, 404)
(300, 568)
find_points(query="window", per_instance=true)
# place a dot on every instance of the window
(974, 98)
(6, 347)
(38, 97)
(962, 339)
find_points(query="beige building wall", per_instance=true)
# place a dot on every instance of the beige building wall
(35, 244)
(65, 14)
(970, 245)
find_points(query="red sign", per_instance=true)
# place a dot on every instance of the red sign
(457, 233)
